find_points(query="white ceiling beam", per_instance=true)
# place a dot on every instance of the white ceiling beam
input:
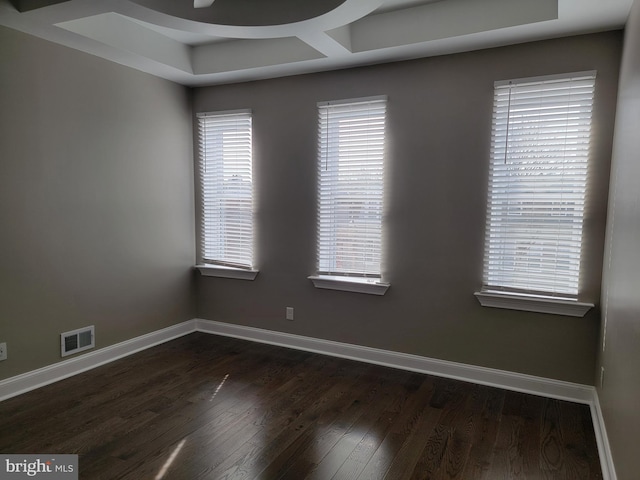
(240, 55)
(325, 44)
(124, 34)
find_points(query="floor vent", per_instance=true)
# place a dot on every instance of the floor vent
(77, 340)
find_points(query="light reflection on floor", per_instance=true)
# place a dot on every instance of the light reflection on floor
(219, 387)
(176, 451)
(170, 460)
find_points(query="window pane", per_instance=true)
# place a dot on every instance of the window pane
(350, 172)
(538, 174)
(226, 188)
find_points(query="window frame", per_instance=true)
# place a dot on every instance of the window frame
(332, 138)
(562, 298)
(224, 266)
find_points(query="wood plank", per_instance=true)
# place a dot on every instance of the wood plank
(409, 413)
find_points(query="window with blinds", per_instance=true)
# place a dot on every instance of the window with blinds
(226, 188)
(538, 175)
(351, 137)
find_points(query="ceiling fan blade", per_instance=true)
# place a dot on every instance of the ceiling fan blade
(202, 3)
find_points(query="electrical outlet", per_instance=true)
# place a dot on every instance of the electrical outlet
(3, 351)
(289, 313)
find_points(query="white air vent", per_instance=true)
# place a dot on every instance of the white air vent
(77, 340)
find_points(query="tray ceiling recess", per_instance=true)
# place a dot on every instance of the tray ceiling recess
(200, 42)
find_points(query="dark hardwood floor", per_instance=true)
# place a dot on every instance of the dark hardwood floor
(219, 408)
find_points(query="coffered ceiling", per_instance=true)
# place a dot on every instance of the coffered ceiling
(237, 40)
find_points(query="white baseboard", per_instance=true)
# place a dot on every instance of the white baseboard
(604, 449)
(519, 382)
(13, 386)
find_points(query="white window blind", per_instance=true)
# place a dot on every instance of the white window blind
(226, 188)
(351, 139)
(538, 175)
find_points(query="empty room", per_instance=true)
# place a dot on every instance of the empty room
(329, 239)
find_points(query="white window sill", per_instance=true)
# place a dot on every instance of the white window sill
(221, 271)
(555, 306)
(350, 284)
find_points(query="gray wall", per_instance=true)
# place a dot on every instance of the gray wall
(96, 200)
(439, 126)
(620, 392)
